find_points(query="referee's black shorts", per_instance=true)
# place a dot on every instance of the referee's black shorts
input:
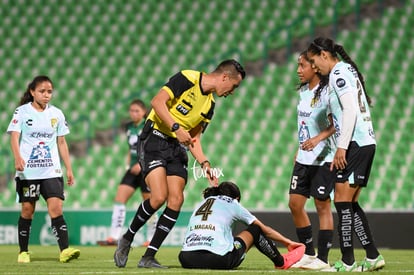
(207, 260)
(359, 162)
(135, 181)
(156, 149)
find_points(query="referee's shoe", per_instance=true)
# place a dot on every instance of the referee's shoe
(121, 252)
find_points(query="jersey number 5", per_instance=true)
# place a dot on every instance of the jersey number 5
(205, 209)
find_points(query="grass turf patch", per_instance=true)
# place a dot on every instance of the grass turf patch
(99, 260)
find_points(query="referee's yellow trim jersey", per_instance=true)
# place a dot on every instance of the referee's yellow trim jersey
(188, 104)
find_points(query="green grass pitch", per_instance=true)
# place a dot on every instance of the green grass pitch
(98, 260)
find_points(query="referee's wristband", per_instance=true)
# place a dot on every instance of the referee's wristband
(204, 162)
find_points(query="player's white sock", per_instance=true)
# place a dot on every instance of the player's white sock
(118, 219)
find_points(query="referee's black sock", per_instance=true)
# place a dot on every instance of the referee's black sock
(165, 223)
(60, 230)
(266, 246)
(144, 212)
(324, 244)
(363, 232)
(346, 231)
(23, 226)
(305, 236)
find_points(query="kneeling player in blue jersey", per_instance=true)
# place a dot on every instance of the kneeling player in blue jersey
(209, 242)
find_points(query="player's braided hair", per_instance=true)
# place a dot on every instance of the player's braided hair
(226, 188)
(323, 80)
(326, 44)
(27, 96)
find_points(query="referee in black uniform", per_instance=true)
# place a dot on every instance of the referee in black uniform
(181, 111)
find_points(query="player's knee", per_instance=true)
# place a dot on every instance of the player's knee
(295, 206)
(157, 201)
(175, 202)
(255, 231)
(27, 210)
(323, 207)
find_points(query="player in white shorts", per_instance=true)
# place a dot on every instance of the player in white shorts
(209, 242)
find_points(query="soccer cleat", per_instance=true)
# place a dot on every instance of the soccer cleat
(150, 262)
(316, 264)
(292, 257)
(69, 254)
(121, 252)
(306, 259)
(24, 257)
(340, 266)
(373, 264)
(108, 242)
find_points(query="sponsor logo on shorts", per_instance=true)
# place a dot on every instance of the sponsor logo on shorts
(321, 190)
(154, 163)
(237, 245)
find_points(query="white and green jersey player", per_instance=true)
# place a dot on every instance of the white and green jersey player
(214, 232)
(209, 242)
(343, 79)
(38, 146)
(313, 119)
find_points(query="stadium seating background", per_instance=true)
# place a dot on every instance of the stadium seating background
(100, 55)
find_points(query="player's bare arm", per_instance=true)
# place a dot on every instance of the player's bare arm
(64, 154)
(19, 162)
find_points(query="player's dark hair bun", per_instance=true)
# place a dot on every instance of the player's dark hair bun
(226, 188)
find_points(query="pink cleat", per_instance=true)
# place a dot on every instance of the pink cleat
(292, 257)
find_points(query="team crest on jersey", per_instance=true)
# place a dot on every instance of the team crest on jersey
(53, 122)
(316, 102)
